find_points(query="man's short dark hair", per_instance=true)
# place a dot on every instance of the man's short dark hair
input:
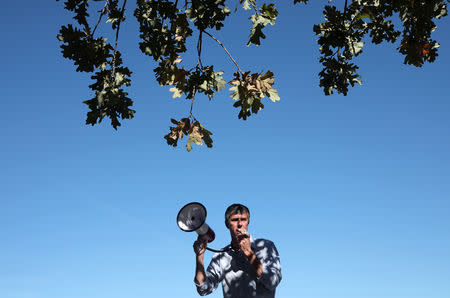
(236, 209)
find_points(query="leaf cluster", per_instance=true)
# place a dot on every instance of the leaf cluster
(196, 133)
(79, 7)
(87, 53)
(417, 45)
(115, 14)
(166, 25)
(207, 13)
(163, 29)
(96, 55)
(263, 16)
(110, 100)
(248, 90)
(341, 35)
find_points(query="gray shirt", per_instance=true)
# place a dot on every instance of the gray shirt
(238, 278)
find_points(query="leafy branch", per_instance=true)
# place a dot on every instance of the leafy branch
(120, 19)
(165, 26)
(265, 15)
(96, 55)
(102, 13)
(347, 29)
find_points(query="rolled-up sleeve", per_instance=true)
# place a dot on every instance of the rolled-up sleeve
(213, 277)
(271, 267)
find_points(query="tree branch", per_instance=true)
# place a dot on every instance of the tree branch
(115, 46)
(103, 11)
(221, 44)
(199, 48)
(192, 105)
(255, 8)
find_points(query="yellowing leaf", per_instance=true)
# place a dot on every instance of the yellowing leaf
(195, 136)
(176, 92)
(273, 95)
(235, 94)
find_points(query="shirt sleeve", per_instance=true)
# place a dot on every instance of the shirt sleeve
(271, 267)
(213, 277)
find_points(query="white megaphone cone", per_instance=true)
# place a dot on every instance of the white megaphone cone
(192, 218)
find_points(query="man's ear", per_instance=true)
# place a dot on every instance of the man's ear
(226, 224)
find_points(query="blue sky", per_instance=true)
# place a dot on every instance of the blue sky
(354, 190)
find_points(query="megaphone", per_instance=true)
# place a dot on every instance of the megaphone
(192, 218)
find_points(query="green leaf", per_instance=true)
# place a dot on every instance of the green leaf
(267, 14)
(256, 35)
(219, 82)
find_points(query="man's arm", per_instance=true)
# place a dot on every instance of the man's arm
(208, 281)
(199, 249)
(266, 263)
(271, 267)
(251, 256)
(255, 263)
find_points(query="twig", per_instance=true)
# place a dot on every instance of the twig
(353, 46)
(192, 105)
(255, 8)
(349, 27)
(103, 11)
(199, 48)
(343, 25)
(113, 73)
(199, 64)
(221, 44)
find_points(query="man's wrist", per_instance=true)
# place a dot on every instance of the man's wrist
(251, 256)
(255, 263)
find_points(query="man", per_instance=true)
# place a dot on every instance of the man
(247, 267)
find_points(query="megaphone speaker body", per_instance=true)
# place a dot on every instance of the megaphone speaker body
(192, 217)
(206, 233)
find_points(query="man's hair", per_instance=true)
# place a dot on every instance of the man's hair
(236, 209)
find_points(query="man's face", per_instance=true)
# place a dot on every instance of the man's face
(236, 223)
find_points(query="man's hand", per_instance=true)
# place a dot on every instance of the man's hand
(200, 246)
(244, 244)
